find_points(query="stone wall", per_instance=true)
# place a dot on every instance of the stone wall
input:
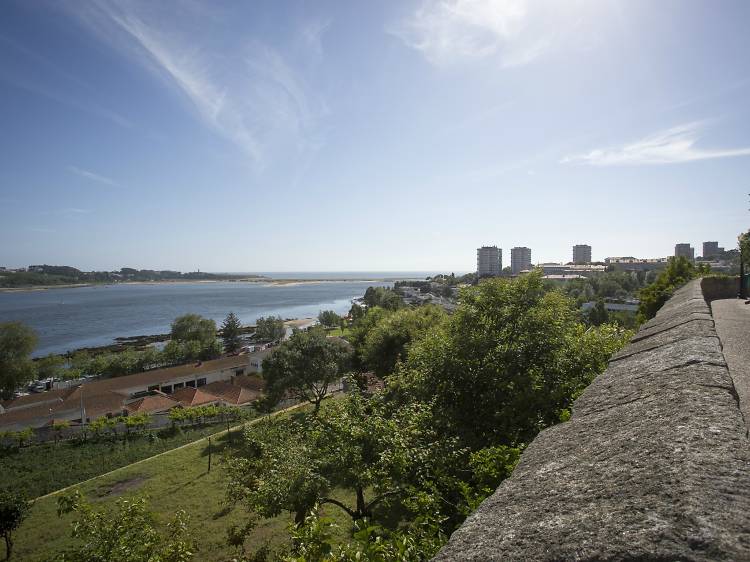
(654, 464)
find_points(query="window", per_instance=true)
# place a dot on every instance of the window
(191, 384)
(202, 382)
(238, 372)
(153, 387)
(178, 385)
(167, 389)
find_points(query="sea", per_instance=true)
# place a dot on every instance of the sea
(67, 319)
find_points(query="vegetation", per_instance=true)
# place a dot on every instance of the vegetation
(270, 328)
(14, 508)
(382, 338)
(17, 341)
(329, 319)
(679, 271)
(66, 275)
(383, 298)
(129, 534)
(231, 329)
(304, 366)
(46, 467)
(468, 392)
(193, 328)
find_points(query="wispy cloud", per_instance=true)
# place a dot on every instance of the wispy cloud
(673, 146)
(243, 89)
(447, 31)
(91, 176)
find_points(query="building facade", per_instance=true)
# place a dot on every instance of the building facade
(489, 261)
(711, 249)
(581, 254)
(520, 259)
(684, 250)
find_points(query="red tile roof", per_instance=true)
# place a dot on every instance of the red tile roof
(193, 396)
(231, 393)
(152, 404)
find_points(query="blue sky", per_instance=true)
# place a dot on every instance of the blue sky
(271, 136)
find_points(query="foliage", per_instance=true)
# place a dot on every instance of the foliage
(193, 327)
(598, 314)
(14, 508)
(506, 363)
(270, 328)
(231, 329)
(357, 444)
(679, 271)
(128, 535)
(329, 318)
(46, 467)
(17, 341)
(304, 366)
(50, 367)
(382, 343)
(382, 297)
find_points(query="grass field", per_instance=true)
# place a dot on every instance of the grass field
(177, 479)
(41, 469)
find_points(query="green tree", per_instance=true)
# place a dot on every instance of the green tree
(14, 508)
(50, 367)
(231, 330)
(193, 327)
(382, 297)
(679, 271)
(389, 339)
(270, 328)
(17, 341)
(304, 366)
(329, 318)
(510, 359)
(598, 314)
(127, 535)
(356, 444)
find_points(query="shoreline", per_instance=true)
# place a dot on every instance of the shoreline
(263, 280)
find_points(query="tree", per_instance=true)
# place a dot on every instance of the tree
(388, 341)
(383, 297)
(304, 366)
(193, 327)
(127, 535)
(507, 363)
(679, 271)
(231, 329)
(355, 444)
(50, 367)
(598, 314)
(17, 341)
(270, 328)
(14, 508)
(329, 318)
(356, 312)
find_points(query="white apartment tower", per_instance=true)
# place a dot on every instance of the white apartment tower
(489, 261)
(520, 259)
(581, 254)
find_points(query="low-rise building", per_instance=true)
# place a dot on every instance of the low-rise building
(121, 395)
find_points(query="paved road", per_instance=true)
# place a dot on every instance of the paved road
(732, 318)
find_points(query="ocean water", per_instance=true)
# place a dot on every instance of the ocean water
(68, 319)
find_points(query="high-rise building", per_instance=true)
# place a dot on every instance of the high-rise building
(711, 249)
(684, 250)
(489, 261)
(520, 259)
(581, 254)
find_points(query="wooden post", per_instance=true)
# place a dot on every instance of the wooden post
(209, 454)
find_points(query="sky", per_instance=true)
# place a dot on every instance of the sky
(367, 136)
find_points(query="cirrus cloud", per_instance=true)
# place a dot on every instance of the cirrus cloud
(672, 146)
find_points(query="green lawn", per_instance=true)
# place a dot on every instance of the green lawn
(41, 469)
(177, 479)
